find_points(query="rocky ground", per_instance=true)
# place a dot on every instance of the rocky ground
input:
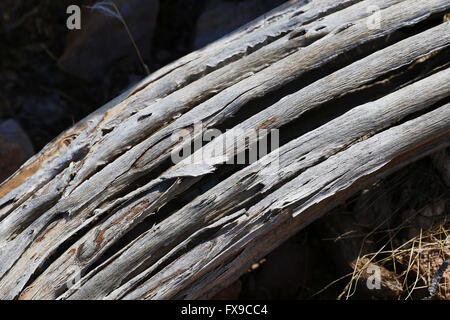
(51, 77)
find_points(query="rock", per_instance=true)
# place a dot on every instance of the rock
(103, 39)
(229, 293)
(441, 161)
(44, 117)
(220, 17)
(346, 235)
(436, 208)
(282, 274)
(373, 207)
(15, 148)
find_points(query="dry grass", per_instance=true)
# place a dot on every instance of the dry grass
(415, 262)
(402, 225)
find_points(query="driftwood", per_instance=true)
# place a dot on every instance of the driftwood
(104, 212)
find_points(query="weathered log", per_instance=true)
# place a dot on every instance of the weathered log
(69, 210)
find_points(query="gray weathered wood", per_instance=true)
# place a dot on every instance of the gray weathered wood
(77, 199)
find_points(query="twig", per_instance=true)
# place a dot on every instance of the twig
(436, 279)
(19, 22)
(104, 7)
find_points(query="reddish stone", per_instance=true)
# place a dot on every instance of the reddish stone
(15, 148)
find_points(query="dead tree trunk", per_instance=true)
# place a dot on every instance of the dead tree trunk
(104, 212)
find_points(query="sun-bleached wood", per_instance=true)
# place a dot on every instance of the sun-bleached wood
(76, 199)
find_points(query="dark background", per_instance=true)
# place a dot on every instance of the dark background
(51, 77)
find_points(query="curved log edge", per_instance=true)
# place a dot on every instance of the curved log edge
(103, 211)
